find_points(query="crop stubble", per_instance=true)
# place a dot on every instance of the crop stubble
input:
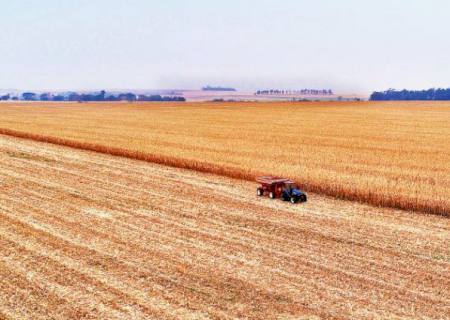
(89, 235)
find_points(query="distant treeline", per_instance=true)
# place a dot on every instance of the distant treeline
(430, 94)
(209, 88)
(85, 97)
(314, 92)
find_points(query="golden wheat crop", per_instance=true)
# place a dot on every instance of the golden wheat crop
(393, 154)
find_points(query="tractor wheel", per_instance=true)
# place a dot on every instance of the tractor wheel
(259, 192)
(271, 195)
(294, 200)
(303, 198)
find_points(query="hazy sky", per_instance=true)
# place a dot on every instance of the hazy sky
(348, 45)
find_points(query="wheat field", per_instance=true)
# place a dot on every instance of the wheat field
(394, 154)
(85, 235)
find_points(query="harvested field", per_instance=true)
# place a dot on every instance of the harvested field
(87, 235)
(386, 154)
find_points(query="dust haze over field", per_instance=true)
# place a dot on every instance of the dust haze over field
(393, 154)
(89, 235)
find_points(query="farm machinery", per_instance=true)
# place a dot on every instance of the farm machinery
(276, 187)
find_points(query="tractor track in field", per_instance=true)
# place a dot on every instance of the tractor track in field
(88, 235)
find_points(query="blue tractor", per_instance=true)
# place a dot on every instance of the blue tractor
(292, 193)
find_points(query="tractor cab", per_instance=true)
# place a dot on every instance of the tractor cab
(289, 186)
(287, 190)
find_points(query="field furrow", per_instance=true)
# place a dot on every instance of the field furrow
(86, 235)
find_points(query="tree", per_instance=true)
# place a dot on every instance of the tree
(430, 94)
(127, 97)
(73, 96)
(101, 96)
(45, 97)
(58, 98)
(29, 96)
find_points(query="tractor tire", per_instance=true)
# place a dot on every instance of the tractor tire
(303, 198)
(259, 192)
(271, 195)
(294, 200)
